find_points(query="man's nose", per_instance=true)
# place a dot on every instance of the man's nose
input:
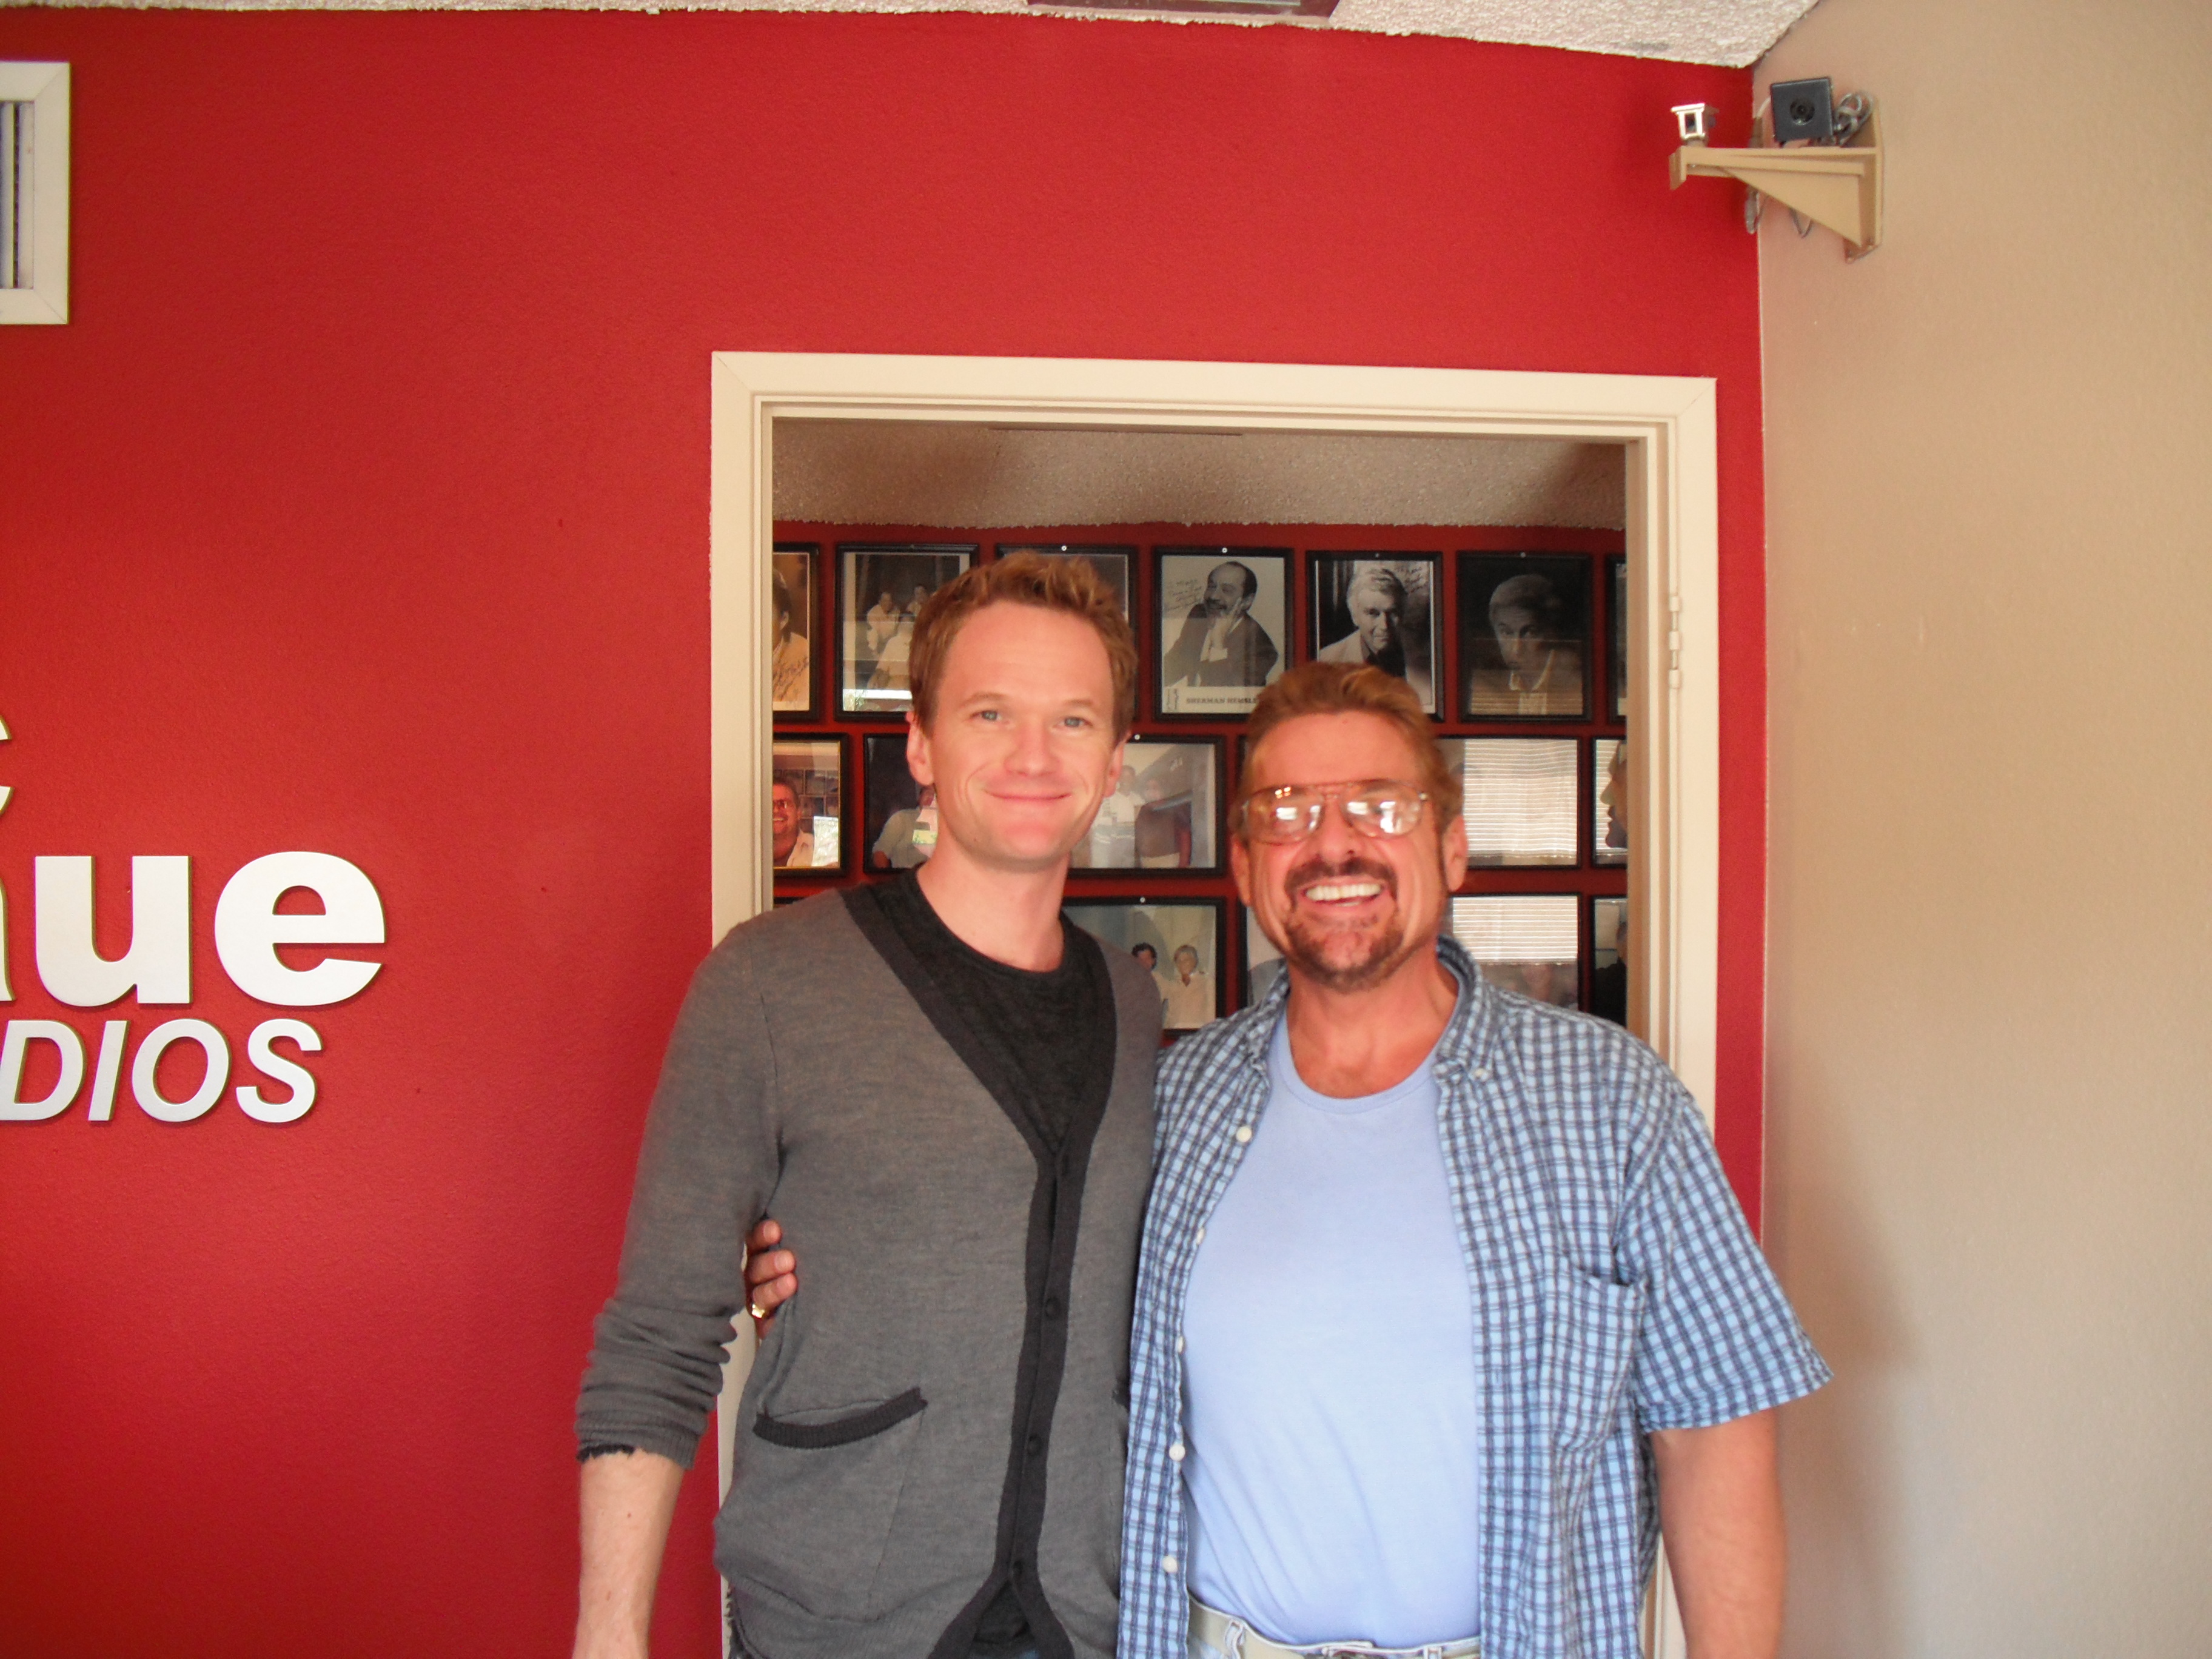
(1334, 837)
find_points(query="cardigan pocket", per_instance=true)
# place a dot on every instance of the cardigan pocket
(812, 1499)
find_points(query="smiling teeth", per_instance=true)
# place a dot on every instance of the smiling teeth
(1329, 892)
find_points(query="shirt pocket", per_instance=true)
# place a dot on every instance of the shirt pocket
(1590, 1326)
(810, 1508)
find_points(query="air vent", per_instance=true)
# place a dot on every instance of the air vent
(35, 120)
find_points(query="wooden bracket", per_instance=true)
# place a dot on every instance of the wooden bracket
(1839, 186)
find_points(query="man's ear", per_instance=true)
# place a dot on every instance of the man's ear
(1454, 843)
(917, 750)
(1240, 869)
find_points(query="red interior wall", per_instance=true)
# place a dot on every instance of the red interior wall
(362, 507)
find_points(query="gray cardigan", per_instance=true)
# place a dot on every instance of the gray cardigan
(946, 1400)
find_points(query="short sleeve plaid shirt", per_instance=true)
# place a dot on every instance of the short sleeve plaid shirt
(1616, 1291)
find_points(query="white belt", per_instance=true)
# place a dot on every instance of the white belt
(1237, 1639)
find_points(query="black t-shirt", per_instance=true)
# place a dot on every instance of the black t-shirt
(1050, 1036)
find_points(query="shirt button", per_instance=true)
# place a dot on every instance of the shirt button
(1167, 1563)
(1244, 1134)
(1178, 1345)
(1482, 1071)
(1175, 1453)
(1201, 1239)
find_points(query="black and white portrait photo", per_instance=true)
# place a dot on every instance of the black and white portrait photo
(1609, 811)
(1164, 812)
(899, 829)
(1223, 613)
(880, 593)
(1524, 635)
(791, 623)
(1112, 563)
(1379, 610)
(1620, 636)
(1519, 798)
(1179, 943)
(806, 803)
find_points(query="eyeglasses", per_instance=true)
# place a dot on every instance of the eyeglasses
(1379, 806)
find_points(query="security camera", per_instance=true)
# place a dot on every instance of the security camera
(1693, 122)
(1804, 110)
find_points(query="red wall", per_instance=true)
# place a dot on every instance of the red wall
(362, 508)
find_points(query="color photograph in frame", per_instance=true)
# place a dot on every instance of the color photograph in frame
(792, 621)
(1116, 565)
(806, 806)
(880, 589)
(1178, 940)
(898, 829)
(1166, 811)
(1378, 610)
(1524, 635)
(1223, 616)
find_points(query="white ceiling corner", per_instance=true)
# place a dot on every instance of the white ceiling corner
(1733, 33)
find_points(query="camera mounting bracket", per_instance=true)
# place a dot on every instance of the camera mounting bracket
(1839, 186)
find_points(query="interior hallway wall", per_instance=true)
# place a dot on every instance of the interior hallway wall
(1991, 1061)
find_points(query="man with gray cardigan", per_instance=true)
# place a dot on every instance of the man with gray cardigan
(930, 1449)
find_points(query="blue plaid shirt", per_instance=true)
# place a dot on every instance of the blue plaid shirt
(1616, 1291)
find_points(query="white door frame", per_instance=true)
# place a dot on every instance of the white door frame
(1664, 425)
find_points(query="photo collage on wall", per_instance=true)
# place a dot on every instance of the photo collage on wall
(1515, 642)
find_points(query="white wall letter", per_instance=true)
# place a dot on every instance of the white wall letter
(143, 1083)
(21, 1033)
(106, 1069)
(159, 963)
(247, 928)
(291, 1075)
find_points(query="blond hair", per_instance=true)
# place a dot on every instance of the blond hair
(1338, 688)
(1071, 586)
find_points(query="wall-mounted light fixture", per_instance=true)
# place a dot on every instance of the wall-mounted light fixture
(1819, 156)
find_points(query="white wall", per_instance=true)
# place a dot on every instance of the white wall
(1990, 501)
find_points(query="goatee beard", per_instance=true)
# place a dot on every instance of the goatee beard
(1304, 944)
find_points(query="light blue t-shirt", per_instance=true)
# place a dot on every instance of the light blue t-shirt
(1333, 1466)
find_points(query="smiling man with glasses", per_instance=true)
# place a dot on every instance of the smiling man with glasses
(1433, 1276)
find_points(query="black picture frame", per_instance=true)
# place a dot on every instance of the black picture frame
(1190, 681)
(1124, 922)
(1520, 800)
(1608, 801)
(888, 793)
(801, 761)
(1609, 973)
(1380, 585)
(1116, 566)
(1259, 962)
(1167, 804)
(794, 620)
(1537, 605)
(873, 638)
(1530, 944)
(1616, 590)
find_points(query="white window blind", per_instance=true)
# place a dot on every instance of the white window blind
(1520, 800)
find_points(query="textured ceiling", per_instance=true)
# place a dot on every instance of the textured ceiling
(1732, 32)
(965, 477)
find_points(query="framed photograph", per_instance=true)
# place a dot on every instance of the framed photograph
(1524, 635)
(1223, 619)
(1115, 564)
(806, 804)
(1608, 998)
(1179, 940)
(1165, 813)
(1378, 609)
(1263, 963)
(791, 642)
(1617, 595)
(899, 829)
(1530, 944)
(1520, 799)
(1609, 807)
(880, 588)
